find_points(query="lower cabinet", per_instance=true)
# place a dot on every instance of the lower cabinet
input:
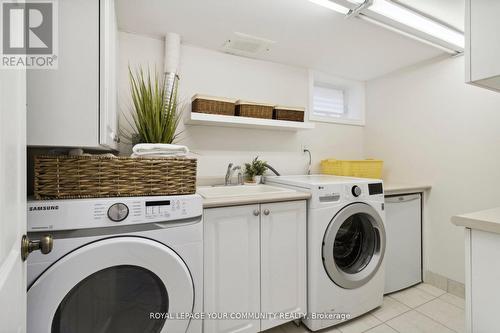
(254, 263)
(482, 273)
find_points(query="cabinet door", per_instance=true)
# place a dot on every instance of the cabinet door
(482, 43)
(283, 259)
(483, 282)
(63, 104)
(108, 122)
(231, 267)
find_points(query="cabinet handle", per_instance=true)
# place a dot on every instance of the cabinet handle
(266, 212)
(256, 212)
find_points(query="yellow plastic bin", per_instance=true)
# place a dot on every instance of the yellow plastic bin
(353, 168)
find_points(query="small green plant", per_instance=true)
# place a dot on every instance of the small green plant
(155, 116)
(255, 168)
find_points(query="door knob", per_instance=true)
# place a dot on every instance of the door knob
(44, 245)
(266, 212)
(256, 212)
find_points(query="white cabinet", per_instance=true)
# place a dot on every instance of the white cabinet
(75, 104)
(283, 260)
(482, 45)
(482, 274)
(254, 262)
(231, 267)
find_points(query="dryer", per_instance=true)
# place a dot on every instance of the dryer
(346, 246)
(117, 265)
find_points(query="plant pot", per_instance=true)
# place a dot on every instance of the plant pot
(257, 179)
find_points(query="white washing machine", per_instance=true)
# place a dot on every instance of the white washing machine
(346, 245)
(117, 265)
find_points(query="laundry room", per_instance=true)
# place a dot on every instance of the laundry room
(229, 166)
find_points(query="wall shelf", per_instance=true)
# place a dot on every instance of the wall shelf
(203, 119)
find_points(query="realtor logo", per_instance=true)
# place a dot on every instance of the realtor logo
(29, 34)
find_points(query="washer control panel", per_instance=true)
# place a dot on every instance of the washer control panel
(108, 212)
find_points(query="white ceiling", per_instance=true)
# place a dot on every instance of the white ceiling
(306, 34)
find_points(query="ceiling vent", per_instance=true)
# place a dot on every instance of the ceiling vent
(247, 45)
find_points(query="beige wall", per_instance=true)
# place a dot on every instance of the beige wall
(219, 74)
(430, 127)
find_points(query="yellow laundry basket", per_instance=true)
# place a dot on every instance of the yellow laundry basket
(354, 168)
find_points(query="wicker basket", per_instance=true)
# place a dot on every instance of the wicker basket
(254, 110)
(288, 113)
(213, 105)
(74, 177)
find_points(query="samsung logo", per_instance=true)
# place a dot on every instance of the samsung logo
(40, 208)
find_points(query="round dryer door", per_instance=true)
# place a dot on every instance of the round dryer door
(120, 284)
(354, 245)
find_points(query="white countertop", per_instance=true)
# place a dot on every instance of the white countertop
(399, 188)
(254, 199)
(485, 220)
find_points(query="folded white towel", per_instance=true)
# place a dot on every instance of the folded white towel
(159, 149)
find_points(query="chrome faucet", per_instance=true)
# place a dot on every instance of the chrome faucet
(229, 173)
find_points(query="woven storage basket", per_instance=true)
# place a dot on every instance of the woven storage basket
(354, 168)
(288, 113)
(254, 110)
(213, 105)
(74, 177)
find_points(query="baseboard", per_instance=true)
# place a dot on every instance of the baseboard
(442, 282)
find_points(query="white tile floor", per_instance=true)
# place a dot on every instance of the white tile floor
(420, 309)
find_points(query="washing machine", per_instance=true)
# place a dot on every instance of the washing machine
(346, 245)
(117, 265)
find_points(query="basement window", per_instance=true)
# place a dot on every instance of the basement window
(328, 102)
(336, 100)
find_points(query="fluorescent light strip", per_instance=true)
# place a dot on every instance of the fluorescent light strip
(331, 5)
(413, 20)
(395, 17)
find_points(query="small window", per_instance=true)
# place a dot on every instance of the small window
(328, 102)
(336, 100)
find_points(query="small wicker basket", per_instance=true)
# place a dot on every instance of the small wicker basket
(75, 177)
(254, 110)
(288, 113)
(213, 105)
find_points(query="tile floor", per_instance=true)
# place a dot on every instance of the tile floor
(420, 309)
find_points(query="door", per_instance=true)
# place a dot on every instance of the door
(403, 257)
(12, 200)
(354, 245)
(231, 268)
(283, 260)
(120, 284)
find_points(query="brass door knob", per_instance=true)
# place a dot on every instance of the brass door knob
(44, 245)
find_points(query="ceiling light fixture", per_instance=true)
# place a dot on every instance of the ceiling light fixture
(331, 5)
(401, 19)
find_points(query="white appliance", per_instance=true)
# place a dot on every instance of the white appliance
(403, 254)
(117, 265)
(346, 246)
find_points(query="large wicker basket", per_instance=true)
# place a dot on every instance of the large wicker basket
(75, 177)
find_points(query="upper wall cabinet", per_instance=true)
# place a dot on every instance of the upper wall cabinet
(75, 105)
(482, 46)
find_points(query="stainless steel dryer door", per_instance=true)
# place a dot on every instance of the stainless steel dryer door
(354, 245)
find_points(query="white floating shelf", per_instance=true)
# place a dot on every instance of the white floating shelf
(205, 119)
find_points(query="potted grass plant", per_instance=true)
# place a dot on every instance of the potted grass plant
(155, 112)
(255, 170)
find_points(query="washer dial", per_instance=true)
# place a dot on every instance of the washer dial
(118, 212)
